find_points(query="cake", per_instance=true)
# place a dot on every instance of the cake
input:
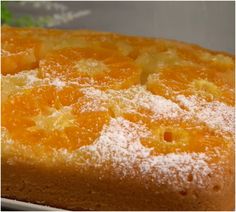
(103, 121)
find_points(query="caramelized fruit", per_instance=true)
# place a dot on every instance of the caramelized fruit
(22, 48)
(172, 135)
(91, 67)
(188, 81)
(51, 117)
(62, 116)
(12, 84)
(19, 54)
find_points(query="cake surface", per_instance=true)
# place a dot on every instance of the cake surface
(102, 121)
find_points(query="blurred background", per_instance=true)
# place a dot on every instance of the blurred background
(209, 24)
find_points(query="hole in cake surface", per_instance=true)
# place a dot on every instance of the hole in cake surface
(91, 67)
(209, 175)
(190, 178)
(168, 136)
(216, 188)
(168, 140)
(183, 193)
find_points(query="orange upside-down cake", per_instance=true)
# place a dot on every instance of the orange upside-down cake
(102, 121)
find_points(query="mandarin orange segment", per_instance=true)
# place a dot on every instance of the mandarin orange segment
(166, 54)
(51, 117)
(175, 136)
(130, 46)
(23, 48)
(168, 139)
(12, 84)
(187, 81)
(57, 39)
(18, 55)
(91, 67)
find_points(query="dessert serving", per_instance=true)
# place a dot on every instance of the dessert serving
(103, 121)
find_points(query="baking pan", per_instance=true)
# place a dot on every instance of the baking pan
(9, 204)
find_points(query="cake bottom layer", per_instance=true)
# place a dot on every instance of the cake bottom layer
(63, 187)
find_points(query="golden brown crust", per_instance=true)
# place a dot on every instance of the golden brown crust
(64, 188)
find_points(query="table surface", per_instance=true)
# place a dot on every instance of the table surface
(13, 205)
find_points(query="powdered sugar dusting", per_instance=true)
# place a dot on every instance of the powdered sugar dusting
(12, 84)
(174, 169)
(137, 97)
(94, 93)
(216, 115)
(5, 136)
(93, 105)
(58, 83)
(24, 79)
(120, 145)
